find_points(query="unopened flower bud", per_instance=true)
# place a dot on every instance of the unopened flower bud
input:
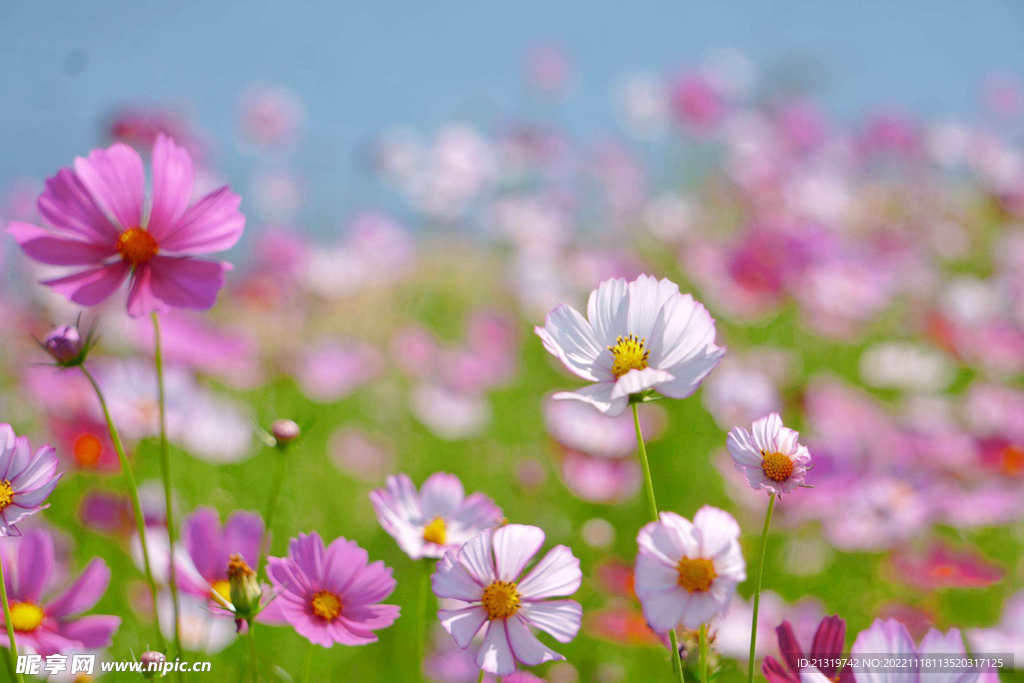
(285, 431)
(152, 663)
(64, 343)
(245, 589)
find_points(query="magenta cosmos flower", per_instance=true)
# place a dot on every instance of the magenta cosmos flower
(52, 626)
(26, 479)
(210, 547)
(828, 646)
(436, 519)
(637, 336)
(769, 455)
(98, 220)
(331, 595)
(485, 572)
(687, 572)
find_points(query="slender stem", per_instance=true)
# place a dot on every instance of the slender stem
(652, 505)
(757, 588)
(7, 618)
(165, 471)
(424, 625)
(268, 518)
(133, 494)
(309, 663)
(704, 653)
(480, 678)
(254, 658)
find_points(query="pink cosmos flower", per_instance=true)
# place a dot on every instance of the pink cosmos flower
(485, 573)
(828, 644)
(331, 594)
(769, 455)
(891, 639)
(204, 570)
(637, 336)
(687, 572)
(52, 625)
(97, 218)
(941, 566)
(26, 479)
(436, 519)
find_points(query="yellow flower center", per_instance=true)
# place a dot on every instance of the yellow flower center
(776, 466)
(501, 600)
(436, 531)
(6, 494)
(223, 589)
(326, 605)
(136, 246)
(26, 616)
(1011, 462)
(629, 354)
(696, 575)
(87, 450)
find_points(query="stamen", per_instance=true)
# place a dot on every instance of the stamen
(26, 616)
(326, 605)
(697, 574)
(776, 466)
(6, 494)
(436, 531)
(501, 600)
(628, 354)
(136, 246)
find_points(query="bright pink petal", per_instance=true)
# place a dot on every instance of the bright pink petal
(93, 632)
(116, 180)
(83, 593)
(213, 224)
(67, 205)
(204, 543)
(186, 282)
(46, 247)
(141, 299)
(93, 286)
(35, 565)
(243, 534)
(172, 187)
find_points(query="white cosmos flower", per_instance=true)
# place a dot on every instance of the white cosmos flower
(637, 336)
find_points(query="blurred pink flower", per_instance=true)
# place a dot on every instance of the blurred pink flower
(828, 644)
(600, 480)
(331, 594)
(434, 520)
(96, 214)
(26, 479)
(53, 625)
(361, 454)
(331, 371)
(579, 427)
(696, 102)
(940, 566)
(203, 567)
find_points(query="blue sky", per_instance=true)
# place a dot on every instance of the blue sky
(362, 66)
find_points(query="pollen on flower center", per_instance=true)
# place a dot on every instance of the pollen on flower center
(696, 575)
(136, 246)
(629, 354)
(223, 589)
(26, 616)
(777, 466)
(6, 494)
(326, 605)
(436, 531)
(501, 600)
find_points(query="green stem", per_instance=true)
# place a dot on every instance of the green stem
(268, 518)
(7, 618)
(424, 625)
(652, 505)
(309, 663)
(704, 653)
(255, 660)
(757, 588)
(480, 678)
(165, 472)
(133, 494)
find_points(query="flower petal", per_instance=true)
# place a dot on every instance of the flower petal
(213, 224)
(477, 557)
(172, 187)
(607, 310)
(35, 565)
(495, 653)
(599, 396)
(514, 546)
(560, 618)
(462, 624)
(635, 381)
(93, 286)
(441, 495)
(83, 593)
(556, 575)
(664, 610)
(47, 247)
(452, 580)
(94, 631)
(647, 295)
(67, 205)
(525, 646)
(117, 182)
(182, 282)
(568, 336)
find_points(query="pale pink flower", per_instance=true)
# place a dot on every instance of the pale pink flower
(434, 520)
(769, 455)
(889, 639)
(97, 218)
(485, 573)
(637, 336)
(26, 479)
(687, 572)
